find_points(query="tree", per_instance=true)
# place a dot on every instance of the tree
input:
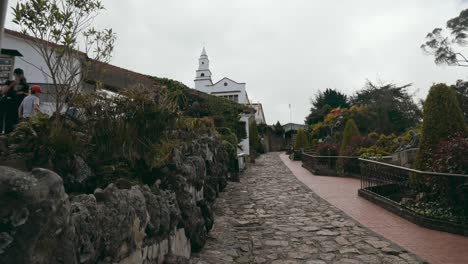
(323, 103)
(59, 28)
(350, 133)
(301, 140)
(442, 46)
(442, 120)
(330, 97)
(279, 130)
(393, 108)
(461, 89)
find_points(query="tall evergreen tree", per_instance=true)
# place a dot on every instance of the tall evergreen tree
(442, 119)
(392, 107)
(323, 103)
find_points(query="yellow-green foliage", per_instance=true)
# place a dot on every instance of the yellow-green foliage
(301, 141)
(443, 119)
(384, 145)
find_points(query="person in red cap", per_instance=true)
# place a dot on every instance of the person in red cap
(30, 105)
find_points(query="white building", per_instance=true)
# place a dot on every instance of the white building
(259, 115)
(227, 88)
(17, 52)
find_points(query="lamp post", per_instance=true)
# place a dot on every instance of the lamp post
(3, 12)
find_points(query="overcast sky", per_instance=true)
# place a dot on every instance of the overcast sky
(286, 51)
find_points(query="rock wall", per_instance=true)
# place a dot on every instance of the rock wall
(162, 223)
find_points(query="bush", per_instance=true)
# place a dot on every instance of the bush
(227, 135)
(231, 150)
(224, 112)
(378, 144)
(452, 156)
(328, 149)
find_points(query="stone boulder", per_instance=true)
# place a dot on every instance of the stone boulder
(110, 224)
(35, 223)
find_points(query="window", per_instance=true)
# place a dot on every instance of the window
(225, 84)
(202, 75)
(234, 97)
(202, 62)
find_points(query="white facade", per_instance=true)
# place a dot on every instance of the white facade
(34, 67)
(226, 88)
(32, 63)
(259, 115)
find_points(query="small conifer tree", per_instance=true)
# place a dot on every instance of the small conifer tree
(350, 132)
(301, 140)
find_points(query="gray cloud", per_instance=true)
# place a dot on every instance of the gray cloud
(286, 51)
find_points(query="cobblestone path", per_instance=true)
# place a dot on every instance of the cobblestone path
(271, 217)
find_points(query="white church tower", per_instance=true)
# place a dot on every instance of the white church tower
(203, 74)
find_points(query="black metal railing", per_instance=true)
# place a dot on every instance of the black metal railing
(331, 165)
(399, 183)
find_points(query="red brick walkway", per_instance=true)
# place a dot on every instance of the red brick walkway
(434, 246)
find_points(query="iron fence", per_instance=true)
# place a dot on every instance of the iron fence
(399, 183)
(434, 200)
(331, 165)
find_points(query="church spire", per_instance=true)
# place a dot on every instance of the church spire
(203, 74)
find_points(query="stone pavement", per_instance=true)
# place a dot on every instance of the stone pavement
(434, 246)
(271, 217)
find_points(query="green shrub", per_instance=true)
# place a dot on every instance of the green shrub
(231, 150)
(380, 144)
(227, 135)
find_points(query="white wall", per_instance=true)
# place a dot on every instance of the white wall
(34, 67)
(32, 74)
(259, 115)
(203, 84)
(230, 86)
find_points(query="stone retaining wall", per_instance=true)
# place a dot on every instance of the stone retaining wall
(122, 223)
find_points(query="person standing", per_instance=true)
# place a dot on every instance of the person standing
(30, 105)
(16, 91)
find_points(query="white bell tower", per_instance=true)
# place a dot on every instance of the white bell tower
(203, 74)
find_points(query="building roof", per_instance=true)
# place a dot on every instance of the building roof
(116, 78)
(204, 52)
(113, 77)
(225, 78)
(292, 126)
